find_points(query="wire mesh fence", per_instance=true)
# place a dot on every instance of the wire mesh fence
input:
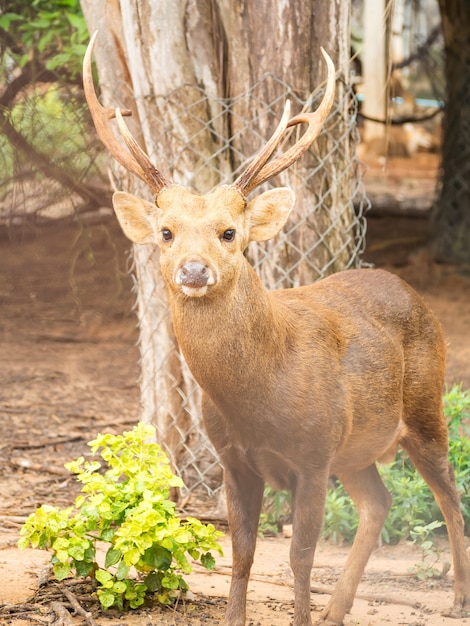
(325, 233)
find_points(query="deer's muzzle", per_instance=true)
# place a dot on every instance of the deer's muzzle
(194, 278)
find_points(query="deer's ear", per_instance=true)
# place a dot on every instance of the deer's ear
(268, 213)
(133, 215)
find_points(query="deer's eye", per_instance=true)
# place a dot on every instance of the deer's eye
(229, 235)
(167, 235)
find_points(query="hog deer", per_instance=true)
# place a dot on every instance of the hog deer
(298, 384)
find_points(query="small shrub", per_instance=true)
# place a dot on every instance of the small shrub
(413, 503)
(127, 508)
(275, 512)
(457, 412)
(341, 519)
(430, 553)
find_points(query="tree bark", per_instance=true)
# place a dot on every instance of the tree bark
(451, 225)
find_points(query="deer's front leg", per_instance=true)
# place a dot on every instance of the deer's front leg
(244, 491)
(308, 500)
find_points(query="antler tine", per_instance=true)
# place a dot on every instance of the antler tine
(158, 180)
(314, 120)
(138, 162)
(260, 160)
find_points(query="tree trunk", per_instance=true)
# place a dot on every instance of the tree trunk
(374, 73)
(195, 70)
(451, 227)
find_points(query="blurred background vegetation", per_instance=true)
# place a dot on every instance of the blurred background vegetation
(49, 156)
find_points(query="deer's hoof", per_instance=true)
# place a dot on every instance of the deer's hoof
(457, 612)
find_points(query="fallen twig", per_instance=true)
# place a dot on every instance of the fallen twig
(64, 338)
(46, 442)
(77, 606)
(63, 616)
(9, 543)
(35, 467)
(9, 511)
(43, 576)
(16, 609)
(14, 519)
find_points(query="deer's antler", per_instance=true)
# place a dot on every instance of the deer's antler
(137, 162)
(259, 171)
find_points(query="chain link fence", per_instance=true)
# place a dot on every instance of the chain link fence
(326, 233)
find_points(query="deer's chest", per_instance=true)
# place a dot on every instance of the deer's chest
(277, 447)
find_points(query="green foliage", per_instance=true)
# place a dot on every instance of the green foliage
(413, 504)
(276, 509)
(412, 501)
(340, 521)
(53, 31)
(127, 508)
(457, 412)
(430, 553)
(41, 53)
(49, 121)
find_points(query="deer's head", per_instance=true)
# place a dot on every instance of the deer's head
(202, 237)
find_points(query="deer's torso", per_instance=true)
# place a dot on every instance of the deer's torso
(319, 368)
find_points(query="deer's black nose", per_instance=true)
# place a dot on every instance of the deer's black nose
(194, 274)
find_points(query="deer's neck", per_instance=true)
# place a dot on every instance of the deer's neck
(229, 338)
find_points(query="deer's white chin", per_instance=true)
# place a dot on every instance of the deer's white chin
(194, 292)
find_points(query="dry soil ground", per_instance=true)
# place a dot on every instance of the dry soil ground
(69, 368)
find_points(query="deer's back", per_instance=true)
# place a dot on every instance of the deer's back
(373, 296)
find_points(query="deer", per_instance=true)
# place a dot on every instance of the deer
(298, 384)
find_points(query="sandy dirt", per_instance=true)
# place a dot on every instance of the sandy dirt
(69, 367)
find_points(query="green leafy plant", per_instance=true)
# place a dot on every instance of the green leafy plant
(276, 510)
(412, 501)
(53, 30)
(127, 509)
(457, 411)
(341, 520)
(46, 118)
(430, 553)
